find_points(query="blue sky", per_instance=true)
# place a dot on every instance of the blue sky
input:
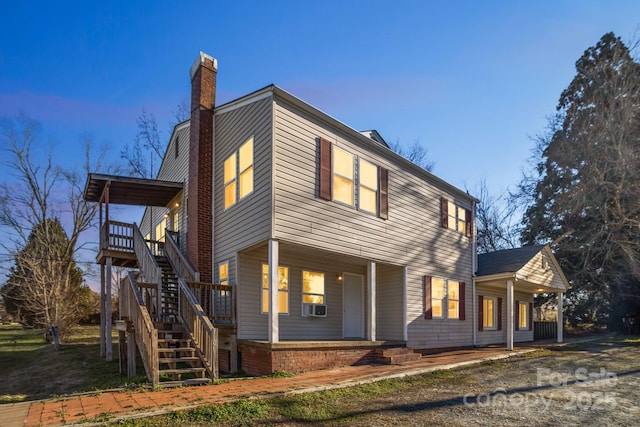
(473, 81)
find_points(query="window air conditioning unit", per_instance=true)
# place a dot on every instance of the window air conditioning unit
(316, 310)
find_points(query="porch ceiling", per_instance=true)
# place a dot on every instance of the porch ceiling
(520, 284)
(131, 191)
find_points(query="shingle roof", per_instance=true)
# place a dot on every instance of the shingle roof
(506, 261)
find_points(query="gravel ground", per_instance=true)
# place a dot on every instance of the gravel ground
(594, 384)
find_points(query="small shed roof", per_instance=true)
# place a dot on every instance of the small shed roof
(124, 190)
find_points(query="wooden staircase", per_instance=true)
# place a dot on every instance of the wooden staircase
(177, 358)
(396, 355)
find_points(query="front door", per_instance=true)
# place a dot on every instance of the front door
(353, 306)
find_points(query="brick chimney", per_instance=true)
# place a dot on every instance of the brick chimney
(199, 207)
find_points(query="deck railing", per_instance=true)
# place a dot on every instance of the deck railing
(203, 334)
(134, 309)
(149, 267)
(117, 236)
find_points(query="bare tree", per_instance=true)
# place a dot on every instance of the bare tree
(416, 153)
(496, 220)
(36, 202)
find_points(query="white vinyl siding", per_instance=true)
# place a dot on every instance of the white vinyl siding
(408, 237)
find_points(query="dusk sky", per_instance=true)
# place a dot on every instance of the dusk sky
(473, 81)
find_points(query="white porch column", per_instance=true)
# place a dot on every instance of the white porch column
(274, 259)
(405, 302)
(510, 317)
(371, 301)
(560, 317)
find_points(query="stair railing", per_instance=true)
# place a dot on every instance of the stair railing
(149, 267)
(194, 318)
(180, 263)
(202, 333)
(134, 309)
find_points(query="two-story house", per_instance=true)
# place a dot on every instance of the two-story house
(338, 250)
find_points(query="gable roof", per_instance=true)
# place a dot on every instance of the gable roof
(506, 261)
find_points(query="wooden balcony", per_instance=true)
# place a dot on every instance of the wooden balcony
(116, 242)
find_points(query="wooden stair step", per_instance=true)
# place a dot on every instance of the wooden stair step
(186, 359)
(181, 371)
(176, 349)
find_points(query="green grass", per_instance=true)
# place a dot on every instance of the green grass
(32, 369)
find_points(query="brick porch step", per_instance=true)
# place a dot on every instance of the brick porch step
(396, 355)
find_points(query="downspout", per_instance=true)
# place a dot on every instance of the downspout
(474, 267)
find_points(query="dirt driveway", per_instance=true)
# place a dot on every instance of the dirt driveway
(588, 384)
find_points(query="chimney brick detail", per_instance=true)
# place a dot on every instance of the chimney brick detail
(199, 208)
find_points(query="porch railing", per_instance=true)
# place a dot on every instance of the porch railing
(117, 236)
(216, 300)
(134, 309)
(203, 334)
(149, 267)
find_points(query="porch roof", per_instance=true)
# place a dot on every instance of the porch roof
(126, 190)
(534, 268)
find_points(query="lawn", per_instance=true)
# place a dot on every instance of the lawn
(31, 369)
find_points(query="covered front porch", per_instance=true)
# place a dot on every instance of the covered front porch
(504, 288)
(302, 308)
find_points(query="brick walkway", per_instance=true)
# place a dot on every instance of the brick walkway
(114, 405)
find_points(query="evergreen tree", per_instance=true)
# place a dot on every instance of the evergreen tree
(586, 196)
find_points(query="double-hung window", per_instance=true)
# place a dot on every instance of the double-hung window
(523, 315)
(343, 176)
(223, 273)
(489, 306)
(283, 289)
(455, 217)
(443, 298)
(351, 180)
(238, 174)
(312, 287)
(368, 186)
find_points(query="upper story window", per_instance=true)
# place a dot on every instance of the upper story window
(456, 217)
(343, 176)
(443, 298)
(338, 180)
(368, 186)
(238, 174)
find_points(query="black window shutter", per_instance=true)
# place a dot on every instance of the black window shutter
(517, 328)
(499, 314)
(468, 229)
(481, 313)
(325, 169)
(530, 316)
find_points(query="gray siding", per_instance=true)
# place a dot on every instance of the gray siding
(389, 313)
(487, 337)
(173, 168)
(249, 220)
(412, 235)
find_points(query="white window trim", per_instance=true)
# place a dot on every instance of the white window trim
(334, 173)
(495, 314)
(375, 190)
(526, 316)
(324, 295)
(445, 299)
(288, 291)
(238, 173)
